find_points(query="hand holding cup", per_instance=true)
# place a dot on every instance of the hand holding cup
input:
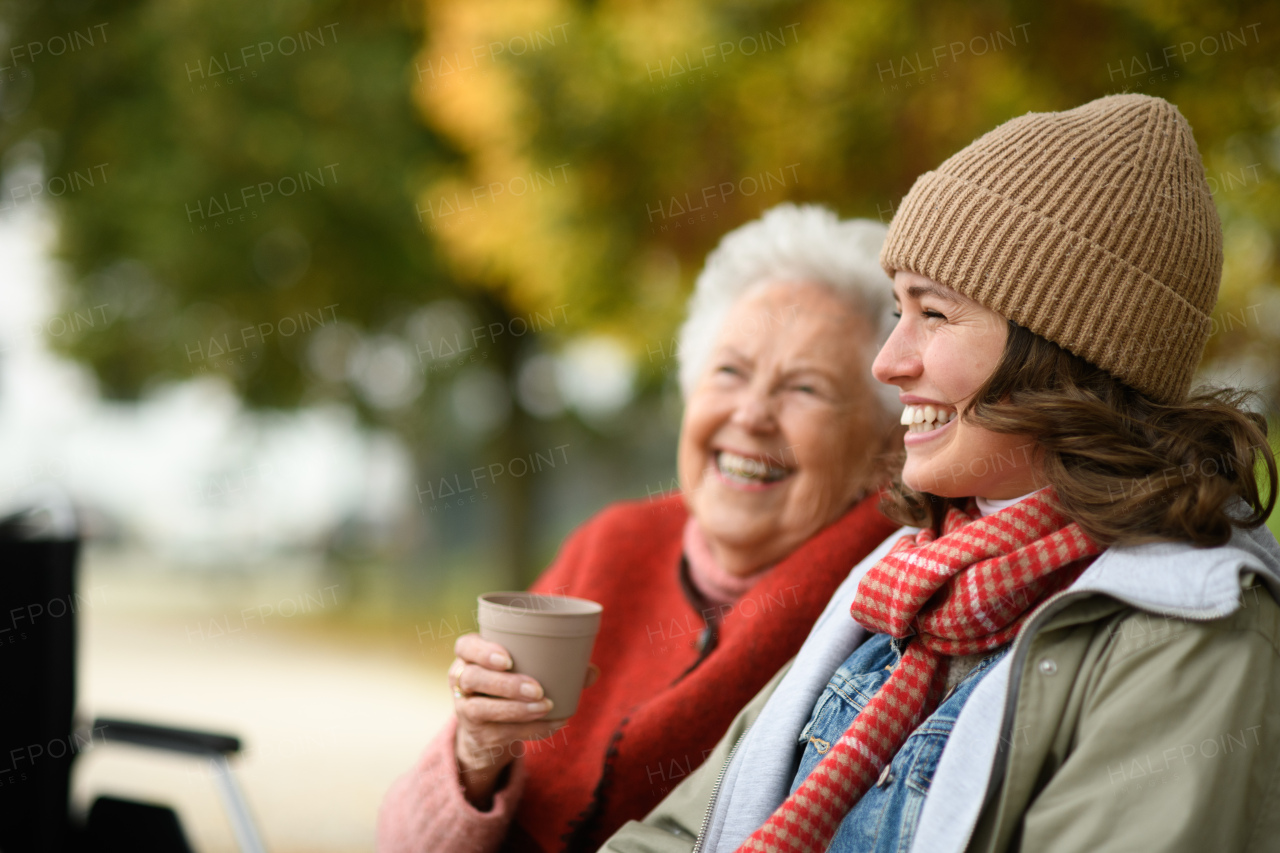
(529, 646)
(495, 708)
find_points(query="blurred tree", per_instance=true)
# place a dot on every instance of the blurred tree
(256, 167)
(466, 168)
(234, 189)
(676, 121)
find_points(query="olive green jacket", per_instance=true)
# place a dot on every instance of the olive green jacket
(1138, 710)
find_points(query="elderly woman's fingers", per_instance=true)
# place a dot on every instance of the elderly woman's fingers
(506, 685)
(455, 671)
(479, 710)
(473, 649)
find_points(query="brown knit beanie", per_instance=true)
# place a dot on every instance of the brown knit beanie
(1092, 227)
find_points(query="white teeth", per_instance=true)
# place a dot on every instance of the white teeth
(925, 418)
(746, 469)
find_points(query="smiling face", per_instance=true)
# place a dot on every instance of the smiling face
(780, 432)
(944, 347)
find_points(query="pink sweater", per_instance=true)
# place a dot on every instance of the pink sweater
(716, 585)
(420, 809)
(429, 812)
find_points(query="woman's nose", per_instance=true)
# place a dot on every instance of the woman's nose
(754, 411)
(898, 359)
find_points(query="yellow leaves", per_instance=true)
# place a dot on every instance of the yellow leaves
(648, 34)
(638, 107)
(464, 77)
(499, 229)
(497, 224)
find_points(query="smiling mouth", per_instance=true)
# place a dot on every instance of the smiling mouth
(926, 418)
(744, 469)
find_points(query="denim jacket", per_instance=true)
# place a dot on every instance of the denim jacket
(884, 819)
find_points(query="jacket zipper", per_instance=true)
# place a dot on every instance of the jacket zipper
(715, 793)
(1018, 654)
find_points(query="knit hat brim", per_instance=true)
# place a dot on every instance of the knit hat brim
(1089, 301)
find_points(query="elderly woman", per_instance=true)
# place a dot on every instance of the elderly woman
(705, 593)
(1076, 646)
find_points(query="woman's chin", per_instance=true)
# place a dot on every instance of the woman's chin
(930, 480)
(736, 525)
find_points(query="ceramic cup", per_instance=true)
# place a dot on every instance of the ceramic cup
(549, 637)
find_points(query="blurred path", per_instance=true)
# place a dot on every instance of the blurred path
(328, 721)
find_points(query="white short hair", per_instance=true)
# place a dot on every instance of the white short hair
(789, 243)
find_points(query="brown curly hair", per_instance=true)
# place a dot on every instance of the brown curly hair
(1126, 468)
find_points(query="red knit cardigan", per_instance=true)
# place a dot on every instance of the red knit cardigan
(661, 704)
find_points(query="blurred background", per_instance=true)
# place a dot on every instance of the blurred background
(330, 315)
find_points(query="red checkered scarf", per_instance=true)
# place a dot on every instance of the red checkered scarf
(964, 592)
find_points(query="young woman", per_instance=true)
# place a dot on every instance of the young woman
(1076, 646)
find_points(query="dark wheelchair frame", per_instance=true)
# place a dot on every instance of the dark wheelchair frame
(39, 550)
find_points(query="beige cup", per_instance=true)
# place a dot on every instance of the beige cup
(549, 638)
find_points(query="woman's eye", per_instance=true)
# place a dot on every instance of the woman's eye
(933, 315)
(897, 314)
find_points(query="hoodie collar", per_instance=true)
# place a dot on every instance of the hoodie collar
(1175, 579)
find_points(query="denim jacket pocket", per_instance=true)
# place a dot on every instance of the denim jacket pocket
(928, 753)
(818, 714)
(821, 732)
(844, 697)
